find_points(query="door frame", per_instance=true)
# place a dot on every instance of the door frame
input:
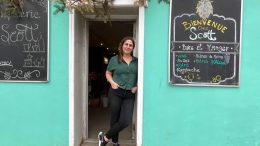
(140, 45)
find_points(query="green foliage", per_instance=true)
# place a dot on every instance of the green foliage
(60, 6)
(100, 8)
(166, 1)
(11, 7)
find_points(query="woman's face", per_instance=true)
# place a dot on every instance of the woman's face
(128, 47)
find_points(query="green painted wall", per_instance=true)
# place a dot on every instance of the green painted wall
(200, 116)
(36, 114)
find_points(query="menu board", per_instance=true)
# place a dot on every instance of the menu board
(24, 44)
(204, 46)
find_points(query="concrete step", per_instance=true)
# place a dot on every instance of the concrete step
(94, 142)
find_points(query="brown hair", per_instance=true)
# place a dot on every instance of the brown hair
(120, 47)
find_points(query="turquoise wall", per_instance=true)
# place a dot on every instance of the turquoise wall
(36, 114)
(200, 116)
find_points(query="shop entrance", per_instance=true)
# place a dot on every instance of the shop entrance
(92, 43)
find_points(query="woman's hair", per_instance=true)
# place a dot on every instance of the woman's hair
(120, 47)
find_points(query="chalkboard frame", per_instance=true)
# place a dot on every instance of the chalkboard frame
(170, 32)
(47, 55)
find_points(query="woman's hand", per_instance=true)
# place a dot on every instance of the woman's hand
(134, 89)
(114, 85)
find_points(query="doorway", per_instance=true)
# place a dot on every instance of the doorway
(103, 44)
(79, 42)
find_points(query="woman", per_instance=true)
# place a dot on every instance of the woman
(122, 75)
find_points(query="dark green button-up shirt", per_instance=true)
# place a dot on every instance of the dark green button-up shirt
(123, 74)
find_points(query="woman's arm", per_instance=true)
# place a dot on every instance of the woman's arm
(113, 84)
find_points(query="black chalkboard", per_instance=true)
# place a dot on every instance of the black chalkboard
(24, 44)
(204, 47)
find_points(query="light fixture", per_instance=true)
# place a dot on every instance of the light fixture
(105, 60)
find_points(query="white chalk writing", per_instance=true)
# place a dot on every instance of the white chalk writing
(6, 63)
(22, 32)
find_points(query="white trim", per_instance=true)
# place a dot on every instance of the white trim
(71, 79)
(139, 134)
(86, 92)
(169, 44)
(240, 41)
(48, 44)
(123, 2)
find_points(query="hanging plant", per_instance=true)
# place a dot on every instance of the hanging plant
(101, 8)
(11, 7)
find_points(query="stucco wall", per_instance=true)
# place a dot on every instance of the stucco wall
(36, 114)
(200, 116)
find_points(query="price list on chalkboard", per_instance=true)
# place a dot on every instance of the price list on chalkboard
(204, 47)
(24, 44)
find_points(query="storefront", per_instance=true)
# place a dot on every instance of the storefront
(55, 110)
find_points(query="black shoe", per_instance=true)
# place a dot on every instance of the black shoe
(115, 144)
(101, 140)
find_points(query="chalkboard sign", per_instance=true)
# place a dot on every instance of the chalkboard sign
(204, 46)
(24, 44)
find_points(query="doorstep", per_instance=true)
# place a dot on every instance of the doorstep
(94, 142)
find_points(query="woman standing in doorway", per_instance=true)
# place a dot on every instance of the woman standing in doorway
(122, 75)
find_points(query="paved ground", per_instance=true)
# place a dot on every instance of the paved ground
(99, 121)
(123, 143)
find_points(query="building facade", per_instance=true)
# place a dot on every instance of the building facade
(53, 113)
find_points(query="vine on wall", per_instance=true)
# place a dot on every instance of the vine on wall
(101, 8)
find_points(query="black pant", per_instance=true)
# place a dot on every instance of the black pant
(122, 105)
